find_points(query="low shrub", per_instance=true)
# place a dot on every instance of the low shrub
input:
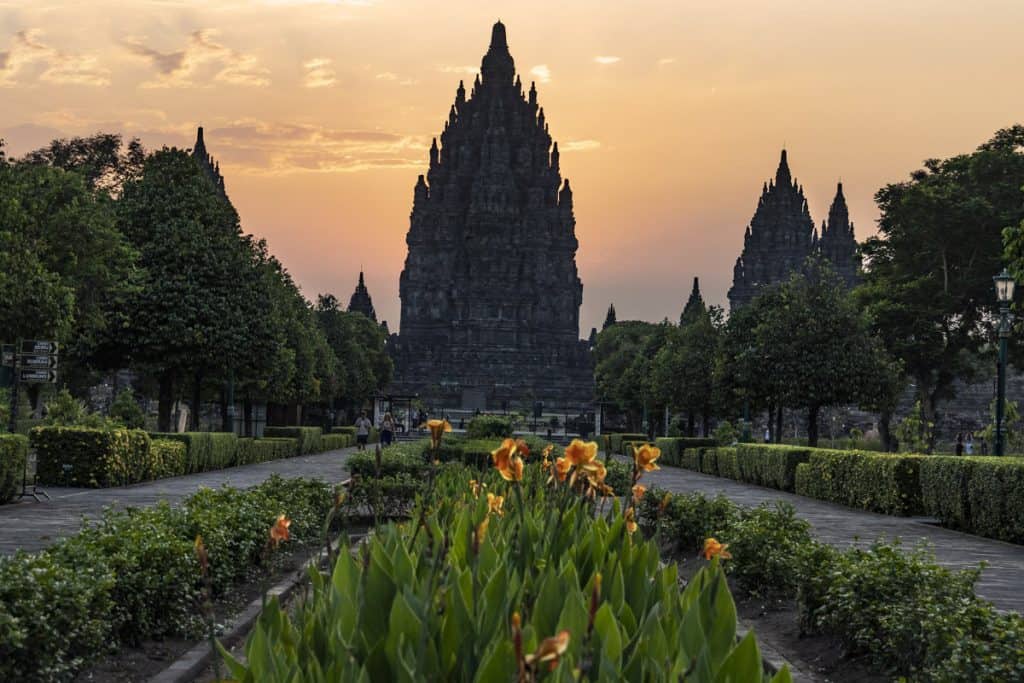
(619, 477)
(405, 458)
(770, 465)
(981, 495)
(690, 458)
(626, 441)
(334, 442)
(309, 438)
(13, 451)
(168, 458)
(884, 483)
(489, 427)
(727, 462)
(389, 497)
(83, 456)
(709, 461)
(125, 409)
(671, 449)
(346, 429)
(205, 450)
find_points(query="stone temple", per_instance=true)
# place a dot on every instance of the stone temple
(490, 295)
(781, 236)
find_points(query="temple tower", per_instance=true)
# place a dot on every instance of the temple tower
(361, 301)
(837, 242)
(490, 294)
(210, 166)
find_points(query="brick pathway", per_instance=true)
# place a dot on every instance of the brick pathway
(34, 526)
(1000, 582)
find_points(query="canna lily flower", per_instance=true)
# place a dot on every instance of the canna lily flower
(549, 650)
(712, 548)
(481, 530)
(547, 450)
(645, 456)
(495, 504)
(631, 521)
(562, 467)
(664, 503)
(279, 532)
(522, 448)
(202, 555)
(474, 486)
(437, 429)
(638, 492)
(507, 461)
(580, 453)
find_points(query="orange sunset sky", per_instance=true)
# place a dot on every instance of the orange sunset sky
(669, 115)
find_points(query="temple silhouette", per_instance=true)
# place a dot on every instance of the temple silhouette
(490, 294)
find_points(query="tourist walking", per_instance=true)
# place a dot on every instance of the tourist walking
(387, 429)
(363, 426)
(959, 444)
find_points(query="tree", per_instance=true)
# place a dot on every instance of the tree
(364, 366)
(99, 160)
(683, 369)
(806, 345)
(622, 360)
(928, 279)
(191, 312)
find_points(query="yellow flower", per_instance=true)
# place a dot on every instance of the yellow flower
(562, 467)
(437, 429)
(638, 492)
(201, 554)
(495, 504)
(507, 461)
(549, 650)
(547, 450)
(631, 521)
(712, 548)
(481, 530)
(580, 453)
(279, 532)
(474, 486)
(645, 456)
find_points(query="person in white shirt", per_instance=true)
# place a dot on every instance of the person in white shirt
(363, 426)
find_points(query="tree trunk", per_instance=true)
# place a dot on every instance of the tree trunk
(771, 423)
(689, 422)
(812, 426)
(34, 390)
(247, 410)
(706, 422)
(166, 401)
(778, 425)
(225, 419)
(930, 413)
(197, 396)
(885, 430)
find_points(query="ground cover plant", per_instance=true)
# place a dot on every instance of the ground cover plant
(896, 608)
(134, 574)
(528, 571)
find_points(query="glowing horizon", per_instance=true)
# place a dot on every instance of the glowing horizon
(669, 118)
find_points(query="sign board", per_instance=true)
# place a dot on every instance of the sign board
(39, 347)
(47, 362)
(30, 376)
(7, 355)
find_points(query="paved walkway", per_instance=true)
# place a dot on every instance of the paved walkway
(1000, 582)
(33, 526)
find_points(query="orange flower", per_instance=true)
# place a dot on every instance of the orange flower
(562, 467)
(645, 456)
(507, 461)
(712, 548)
(638, 492)
(664, 503)
(437, 429)
(201, 554)
(495, 504)
(474, 486)
(631, 521)
(547, 450)
(549, 650)
(522, 448)
(580, 453)
(279, 532)
(481, 530)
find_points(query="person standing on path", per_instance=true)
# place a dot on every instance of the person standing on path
(959, 444)
(363, 426)
(387, 429)
(969, 444)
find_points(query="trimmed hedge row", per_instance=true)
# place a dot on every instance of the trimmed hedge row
(309, 438)
(13, 451)
(133, 575)
(862, 479)
(80, 456)
(672, 447)
(977, 494)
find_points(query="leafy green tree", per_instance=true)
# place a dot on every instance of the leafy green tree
(125, 409)
(623, 367)
(191, 312)
(928, 281)
(363, 364)
(101, 160)
(683, 369)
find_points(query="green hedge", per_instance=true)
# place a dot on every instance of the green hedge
(347, 429)
(168, 458)
(709, 461)
(489, 426)
(727, 461)
(883, 483)
(13, 451)
(205, 450)
(334, 442)
(690, 458)
(769, 465)
(133, 575)
(628, 440)
(261, 450)
(980, 495)
(309, 438)
(81, 456)
(405, 458)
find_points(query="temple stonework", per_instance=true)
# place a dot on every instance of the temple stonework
(207, 162)
(781, 236)
(361, 301)
(490, 295)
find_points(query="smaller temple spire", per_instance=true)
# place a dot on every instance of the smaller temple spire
(782, 174)
(609, 318)
(533, 92)
(433, 153)
(361, 302)
(695, 306)
(554, 161)
(460, 94)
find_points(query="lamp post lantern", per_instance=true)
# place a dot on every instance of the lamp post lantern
(1004, 295)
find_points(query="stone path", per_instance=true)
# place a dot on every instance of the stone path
(1000, 582)
(33, 526)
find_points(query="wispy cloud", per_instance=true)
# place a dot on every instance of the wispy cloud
(542, 72)
(28, 55)
(319, 73)
(580, 145)
(202, 62)
(468, 70)
(607, 59)
(666, 60)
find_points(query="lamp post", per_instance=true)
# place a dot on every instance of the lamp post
(1004, 295)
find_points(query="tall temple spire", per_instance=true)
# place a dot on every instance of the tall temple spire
(361, 302)
(609, 318)
(695, 306)
(207, 162)
(498, 67)
(838, 243)
(782, 174)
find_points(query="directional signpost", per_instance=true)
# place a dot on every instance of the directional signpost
(34, 363)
